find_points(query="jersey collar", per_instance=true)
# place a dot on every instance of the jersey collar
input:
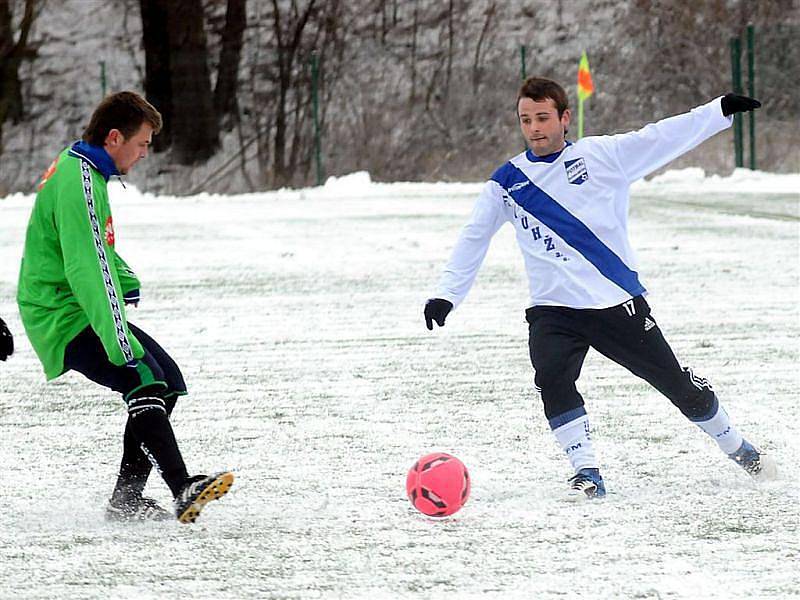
(548, 158)
(95, 156)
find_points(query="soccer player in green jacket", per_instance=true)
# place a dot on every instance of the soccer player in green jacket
(73, 288)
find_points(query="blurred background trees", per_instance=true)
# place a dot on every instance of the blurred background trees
(405, 89)
(14, 48)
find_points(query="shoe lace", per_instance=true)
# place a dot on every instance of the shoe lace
(750, 462)
(191, 488)
(582, 482)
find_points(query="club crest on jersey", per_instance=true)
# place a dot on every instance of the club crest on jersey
(576, 171)
(109, 232)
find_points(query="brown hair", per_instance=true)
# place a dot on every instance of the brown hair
(540, 89)
(125, 111)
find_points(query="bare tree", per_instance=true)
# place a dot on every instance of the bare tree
(12, 53)
(476, 63)
(175, 41)
(297, 31)
(157, 80)
(225, 96)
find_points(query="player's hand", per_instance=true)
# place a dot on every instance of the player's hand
(437, 309)
(733, 103)
(6, 341)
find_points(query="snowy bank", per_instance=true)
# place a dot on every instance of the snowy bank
(741, 181)
(360, 185)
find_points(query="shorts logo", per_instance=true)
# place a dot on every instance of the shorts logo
(576, 171)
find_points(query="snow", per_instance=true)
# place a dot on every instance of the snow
(696, 181)
(296, 318)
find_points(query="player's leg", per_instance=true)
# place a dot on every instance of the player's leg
(135, 467)
(628, 335)
(196, 491)
(557, 351)
(142, 387)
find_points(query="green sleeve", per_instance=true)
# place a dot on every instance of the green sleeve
(81, 212)
(129, 283)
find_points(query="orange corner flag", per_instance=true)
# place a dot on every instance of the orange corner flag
(585, 85)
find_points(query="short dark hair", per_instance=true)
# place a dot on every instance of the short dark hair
(126, 111)
(540, 89)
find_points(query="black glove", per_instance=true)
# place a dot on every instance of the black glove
(437, 309)
(6, 341)
(733, 103)
(132, 297)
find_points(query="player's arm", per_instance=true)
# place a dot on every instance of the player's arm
(90, 269)
(467, 255)
(642, 152)
(129, 283)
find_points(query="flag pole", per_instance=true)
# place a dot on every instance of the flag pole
(580, 118)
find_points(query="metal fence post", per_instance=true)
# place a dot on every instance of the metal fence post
(751, 91)
(736, 72)
(315, 105)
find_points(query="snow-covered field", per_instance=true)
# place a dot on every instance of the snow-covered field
(296, 317)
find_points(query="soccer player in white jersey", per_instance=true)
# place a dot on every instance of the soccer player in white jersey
(568, 203)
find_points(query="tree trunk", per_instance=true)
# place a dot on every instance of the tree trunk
(157, 80)
(225, 101)
(195, 131)
(11, 56)
(177, 80)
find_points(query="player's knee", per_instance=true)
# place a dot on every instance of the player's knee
(551, 377)
(170, 400)
(696, 405)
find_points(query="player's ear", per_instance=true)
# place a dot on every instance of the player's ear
(565, 119)
(114, 138)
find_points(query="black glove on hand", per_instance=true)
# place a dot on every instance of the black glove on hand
(6, 341)
(437, 309)
(131, 297)
(733, 103)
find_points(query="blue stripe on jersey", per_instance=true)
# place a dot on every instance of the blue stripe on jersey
(568, 227)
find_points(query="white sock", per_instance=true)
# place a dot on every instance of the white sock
(720, 429)
(575, 438)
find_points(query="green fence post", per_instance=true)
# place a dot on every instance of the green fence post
(736, 72)
(103, 77)
(522, 59)
(751, 91)
(315, 104)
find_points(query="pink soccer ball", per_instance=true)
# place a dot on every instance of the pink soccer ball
(438, 484)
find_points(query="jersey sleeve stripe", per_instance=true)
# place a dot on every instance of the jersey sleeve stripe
(111, 292)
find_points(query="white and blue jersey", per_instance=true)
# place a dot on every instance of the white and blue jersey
(570, 213)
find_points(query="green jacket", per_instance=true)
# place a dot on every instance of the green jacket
(71, 275)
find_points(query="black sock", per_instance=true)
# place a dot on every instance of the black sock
(135, 466)
(150, 426)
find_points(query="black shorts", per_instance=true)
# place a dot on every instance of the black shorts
(156, 374)
(560, 337)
